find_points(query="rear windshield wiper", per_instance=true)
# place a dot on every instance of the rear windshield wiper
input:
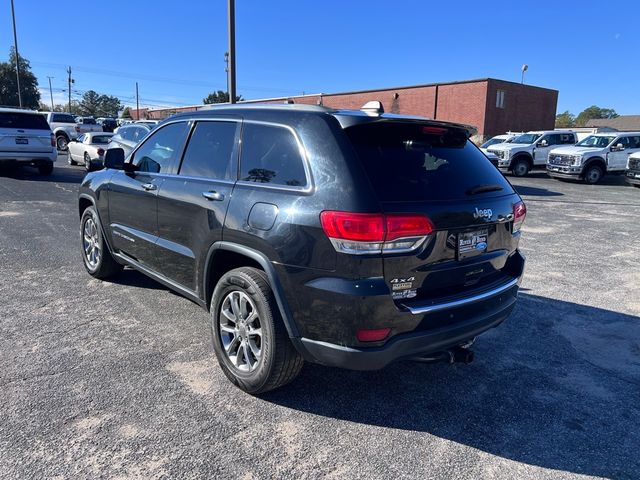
(484, 188)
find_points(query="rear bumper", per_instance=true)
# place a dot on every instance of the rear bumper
(407, 345)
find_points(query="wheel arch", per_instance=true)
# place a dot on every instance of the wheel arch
(597, 161)
(522, 156)
(224, 256)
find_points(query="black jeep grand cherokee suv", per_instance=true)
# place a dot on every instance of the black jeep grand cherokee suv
(346, 238)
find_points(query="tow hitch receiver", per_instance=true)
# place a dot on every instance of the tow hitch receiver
(451, 356)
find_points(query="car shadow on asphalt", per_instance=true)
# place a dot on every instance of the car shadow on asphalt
(59, 175)
(557, 386)
(535, 191)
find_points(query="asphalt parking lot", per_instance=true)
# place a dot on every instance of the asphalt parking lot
(118, 380)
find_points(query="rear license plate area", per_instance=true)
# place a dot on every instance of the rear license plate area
(22, 141)
(472, 243)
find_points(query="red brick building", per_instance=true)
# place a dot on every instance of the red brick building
(492, 106)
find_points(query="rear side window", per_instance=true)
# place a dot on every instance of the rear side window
(271, 154)
(62, 118)
(418, 162)
(209, 151)
(159, 152)
(23, 121)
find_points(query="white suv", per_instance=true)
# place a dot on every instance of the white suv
(530, 150)
(593, 157)
(26, 139)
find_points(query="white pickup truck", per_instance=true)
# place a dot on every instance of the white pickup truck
(530, 150)
(593, 157)
(65, 128)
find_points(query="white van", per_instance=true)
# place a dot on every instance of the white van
(26, 139)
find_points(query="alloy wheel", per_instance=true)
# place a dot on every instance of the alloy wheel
(91, 243)
(240, 331)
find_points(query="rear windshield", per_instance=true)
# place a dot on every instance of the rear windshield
(417, 162)
(101, 139)
(24, 121)
(62, 118)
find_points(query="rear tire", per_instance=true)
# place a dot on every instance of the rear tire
(62, 142)
(87, 161)
(96, 256)
(249, 337)
(520, 168)
(46, 169)
(593, 174)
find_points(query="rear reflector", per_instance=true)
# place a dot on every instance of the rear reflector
(373, 335)
(370, 233)
(519, 214)
(53, 140)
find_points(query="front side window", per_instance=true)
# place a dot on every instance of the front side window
(208, 153)
(271, 154)
(160, 151)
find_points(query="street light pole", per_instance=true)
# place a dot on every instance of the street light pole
(15, 45)
(525, 67)
(51, 92)
(232, 51)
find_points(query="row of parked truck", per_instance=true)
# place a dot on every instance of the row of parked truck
(564, 157)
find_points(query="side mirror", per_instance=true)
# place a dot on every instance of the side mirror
(114, 158)
(542, 143)
(617, 148)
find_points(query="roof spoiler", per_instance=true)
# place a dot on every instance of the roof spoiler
(374, 107)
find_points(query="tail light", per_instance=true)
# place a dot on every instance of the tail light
(519, 214)
(77, 128)
(53, 140)
(100, 151)
(374, 233)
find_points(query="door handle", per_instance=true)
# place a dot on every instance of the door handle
(149, 186)
(213, 196)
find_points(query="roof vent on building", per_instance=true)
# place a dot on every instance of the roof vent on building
(374, 107)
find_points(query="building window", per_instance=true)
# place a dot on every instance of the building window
(500, 99)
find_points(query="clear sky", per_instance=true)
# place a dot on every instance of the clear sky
(588, 50)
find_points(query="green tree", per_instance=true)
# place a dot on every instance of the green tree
(109, 106)
(565, 119)
(90, 103)
(594, 112)
(219, 97)
(126, 113)
(9, 84)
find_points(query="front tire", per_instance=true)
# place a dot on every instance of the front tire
(249, 337)
(520, 168)
(593, 174)
(96, 256)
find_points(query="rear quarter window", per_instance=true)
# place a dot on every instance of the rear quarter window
(271, 155)
(418, 162)
(23, 121)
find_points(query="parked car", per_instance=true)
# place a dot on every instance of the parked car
(64, 127)
(88, 124)
(88, 146)
(108, 124)
(632, 172)
(128, 136)
(26, 139)
(530, 150)
(344, 238)
(506, 138)
(150, 123)
(595, 156)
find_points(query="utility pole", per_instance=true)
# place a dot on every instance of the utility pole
(51, 92)
(70, 81)
(226, 70)
(15, 45)
(137, 103)
(232, 51)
